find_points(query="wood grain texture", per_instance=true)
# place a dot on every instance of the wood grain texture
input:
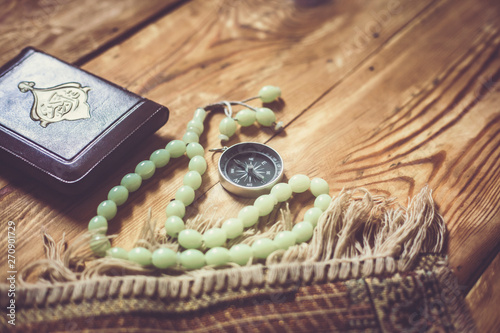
(68, 28)
(484, 296)
(387, 95)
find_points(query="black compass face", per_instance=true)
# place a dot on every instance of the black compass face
(250, 166)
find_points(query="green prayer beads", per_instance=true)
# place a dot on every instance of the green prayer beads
(217, 256)
(190, 239)
(145, 169)
(246, 117)
(282, 191)
(192, 259)
(233, 228)
(263, 247)
(190, 137)
(312, 215)
(213, 239)
(198, 164)
(176, 208)
(98, 223)
(303, 231)
(118, 194)
(176, 148)
(107, 209)
(160, 158)
(118, 253)
(194, 149)
(284, 239)
(164, 258)
(174, 225)
(185, 194)
(132, 182)
(322, 201)
(249, 215)
(299, 183)
(192, 179)
(319, 186)
(140, 255)
(241, 254)
(265, 116)
(99, 244)
(265, 204)
(269, 93)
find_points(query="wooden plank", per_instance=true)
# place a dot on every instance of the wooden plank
(392, 128)
(483, 298)
(189, 70)
(71, 29)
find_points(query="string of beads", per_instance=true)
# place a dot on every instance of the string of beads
(208, 248)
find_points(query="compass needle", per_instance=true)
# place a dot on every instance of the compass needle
(250, 169)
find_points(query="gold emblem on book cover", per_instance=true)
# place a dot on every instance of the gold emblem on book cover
(67, 101)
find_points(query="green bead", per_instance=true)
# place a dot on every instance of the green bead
(217, 256)
(312, 215)
(249, 215)
(160, 158)
(98, 223)
(140, 255)
(284, 239)
(227, 126)
(322, 201)
(99, 244)
(262, 248)
(119, 194)
(118, 253)
(190, 137)
(282, 191)
(192, 179)
(240, 254)
(107, 209)
(190, 239)
(194, 130)
(214, 237)
(194, 149)
(132, 182)
(319, 186)
(246, 117)
(185, 194)
(233, 228)
(265, 204)
(192, 259)
(174, 225)
(200, 114)
(303, 231)
(198, 164)
(269, 93)
(265, 116)
(163, 258)
(176, 208)
(196, 124)
(145, 169)
(299, 183)
(176, 148)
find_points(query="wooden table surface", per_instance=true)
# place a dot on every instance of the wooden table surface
(389, 95)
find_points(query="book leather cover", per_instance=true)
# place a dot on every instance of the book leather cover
(65, 126)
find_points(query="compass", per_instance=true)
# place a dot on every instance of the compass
(250, 169)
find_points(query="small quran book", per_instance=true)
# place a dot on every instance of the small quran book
(67, 127)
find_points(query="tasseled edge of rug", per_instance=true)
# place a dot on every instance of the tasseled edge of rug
(358, 233)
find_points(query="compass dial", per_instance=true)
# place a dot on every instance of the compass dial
(250, 169)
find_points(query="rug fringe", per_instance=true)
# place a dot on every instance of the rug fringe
(361, 233)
